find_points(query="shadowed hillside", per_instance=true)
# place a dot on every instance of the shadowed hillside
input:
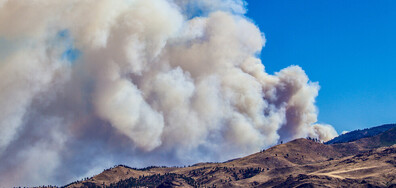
(299, 163)
(358, 134)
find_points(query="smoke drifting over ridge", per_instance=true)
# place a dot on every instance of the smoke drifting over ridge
(89, 84)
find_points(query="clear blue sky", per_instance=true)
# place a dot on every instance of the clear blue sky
(348, 46)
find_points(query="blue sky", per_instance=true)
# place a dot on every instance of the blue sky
(348, 46)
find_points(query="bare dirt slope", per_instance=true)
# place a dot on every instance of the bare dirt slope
(299, 163)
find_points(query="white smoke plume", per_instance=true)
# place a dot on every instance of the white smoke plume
(90, 84)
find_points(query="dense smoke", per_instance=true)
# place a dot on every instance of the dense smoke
(85, 85)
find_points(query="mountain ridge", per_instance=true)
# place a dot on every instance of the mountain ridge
(366, 162)
(358, 134)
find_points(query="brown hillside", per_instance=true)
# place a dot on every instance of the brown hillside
(297, 163)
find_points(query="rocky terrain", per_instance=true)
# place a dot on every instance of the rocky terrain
(366, 162)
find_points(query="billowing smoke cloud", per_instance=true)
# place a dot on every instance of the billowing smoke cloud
(89, 84)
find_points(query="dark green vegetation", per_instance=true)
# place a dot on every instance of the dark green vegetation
(156, 180)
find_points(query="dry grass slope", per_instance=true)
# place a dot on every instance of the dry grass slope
(299, 163)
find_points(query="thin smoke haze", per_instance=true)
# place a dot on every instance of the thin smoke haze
(85, 85)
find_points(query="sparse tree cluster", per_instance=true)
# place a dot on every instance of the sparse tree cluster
(315, 140)
(154, 181)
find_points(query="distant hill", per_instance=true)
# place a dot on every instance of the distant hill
(299, 163)
(358, 134)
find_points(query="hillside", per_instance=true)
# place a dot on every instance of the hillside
(358, 134)
(299, 163)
